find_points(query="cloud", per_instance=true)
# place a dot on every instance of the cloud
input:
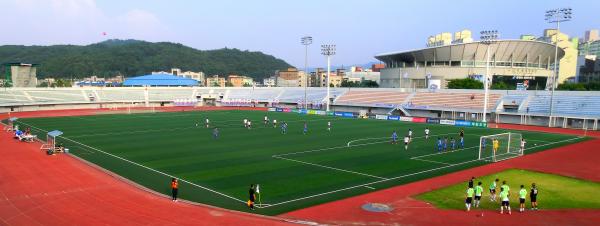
(45, 22)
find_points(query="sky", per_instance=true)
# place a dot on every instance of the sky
(360, 29)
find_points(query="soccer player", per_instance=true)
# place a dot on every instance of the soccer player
(462, 142)
(207, 123)
(439, 144)
(274, 123)
(478, 193)
(406, 141)
(215, 133)
(533, 196)
(445, 143)
(469, 199)
(409, 135)
(328, 125)
(495, 145)
(522, 195)
(249, 124)
(523, 142)
(462, 132)
(505, 186)
(252, 197)
(493, 190)
(283, 128)
(427, 133)
(266, 120)
(174, 185)
(245, 123)
(305, 131)
(471, 182)
(483, 143)
(452, 143)
(505, 201)
(394, 137)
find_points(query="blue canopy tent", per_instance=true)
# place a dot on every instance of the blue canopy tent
(160, 80)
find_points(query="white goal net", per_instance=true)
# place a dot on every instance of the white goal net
(508, 145)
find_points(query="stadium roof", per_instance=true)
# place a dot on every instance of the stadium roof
(502, 50)
(159, 80)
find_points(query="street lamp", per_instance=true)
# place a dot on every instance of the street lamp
(306, 41)
(487, 38)
(556, 16)
(328, 50)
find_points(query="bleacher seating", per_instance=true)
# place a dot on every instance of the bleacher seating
(372, 98)
(566, 105)
(57, 96)
(427, 100)
(121, 95)
(13, 97)
(312, 95)
(169, 94)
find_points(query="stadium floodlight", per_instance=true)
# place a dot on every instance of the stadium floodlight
(488, 37)
(328, 50)
(306, 41)
(556, 16)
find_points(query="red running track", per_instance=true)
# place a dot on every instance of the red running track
(36, 189)
(577, 160)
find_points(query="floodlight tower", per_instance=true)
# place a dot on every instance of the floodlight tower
(306, 41)
(556, 16)
(488, 37)
(328, 50)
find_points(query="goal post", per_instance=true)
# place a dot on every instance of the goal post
(508, 147)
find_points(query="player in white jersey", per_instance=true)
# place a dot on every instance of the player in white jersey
(410, 135)
(249, 124)
(245, 123)
(329, 126)
(207, 123)
(266, 120)
(427, 133)
(523, 142)
(406, 141)
(274, 123)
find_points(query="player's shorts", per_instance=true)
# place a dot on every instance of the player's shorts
(533, 198)
(477, 198)
(405, 143)
(469, 200)
(505, 203)
(521, 200)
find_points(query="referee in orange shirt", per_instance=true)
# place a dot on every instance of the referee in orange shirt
(174, 188)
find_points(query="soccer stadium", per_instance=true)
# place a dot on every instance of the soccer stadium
(258, 113)
(299, 157)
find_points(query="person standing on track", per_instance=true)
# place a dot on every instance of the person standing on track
(522, 195)
(174, 189)
(252, 197)
(533, 196)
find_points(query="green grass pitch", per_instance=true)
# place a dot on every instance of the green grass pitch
(554, 192)
(294, 170)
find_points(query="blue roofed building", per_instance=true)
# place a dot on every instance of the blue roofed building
(159, 80)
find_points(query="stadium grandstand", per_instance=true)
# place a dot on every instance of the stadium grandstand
(572, 109)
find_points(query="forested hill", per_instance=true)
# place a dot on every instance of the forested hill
(133, 57)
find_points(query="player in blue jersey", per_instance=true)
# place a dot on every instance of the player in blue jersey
(452, 143)
(283, 128)
(462, 142)
(305, 131)
(215, 133)
(394, 137)
(445, 143)
(439, 144)
(483, 142)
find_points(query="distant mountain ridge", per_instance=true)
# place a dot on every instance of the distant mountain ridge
(135, 57)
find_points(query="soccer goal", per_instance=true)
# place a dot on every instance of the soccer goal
(508, 147)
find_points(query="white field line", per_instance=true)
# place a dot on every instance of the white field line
(329, 167)
(431, 161)
(398, 177)
(442, 153)
(145, 167)
(372, 188)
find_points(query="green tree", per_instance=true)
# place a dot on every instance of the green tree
(467, 83)
(571, 86)
(500, 85)
(369, 84)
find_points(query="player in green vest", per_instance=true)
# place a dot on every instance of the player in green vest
(522, 195)
(493, 186)
(469, 200)
(505, 201)
(478, 193)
